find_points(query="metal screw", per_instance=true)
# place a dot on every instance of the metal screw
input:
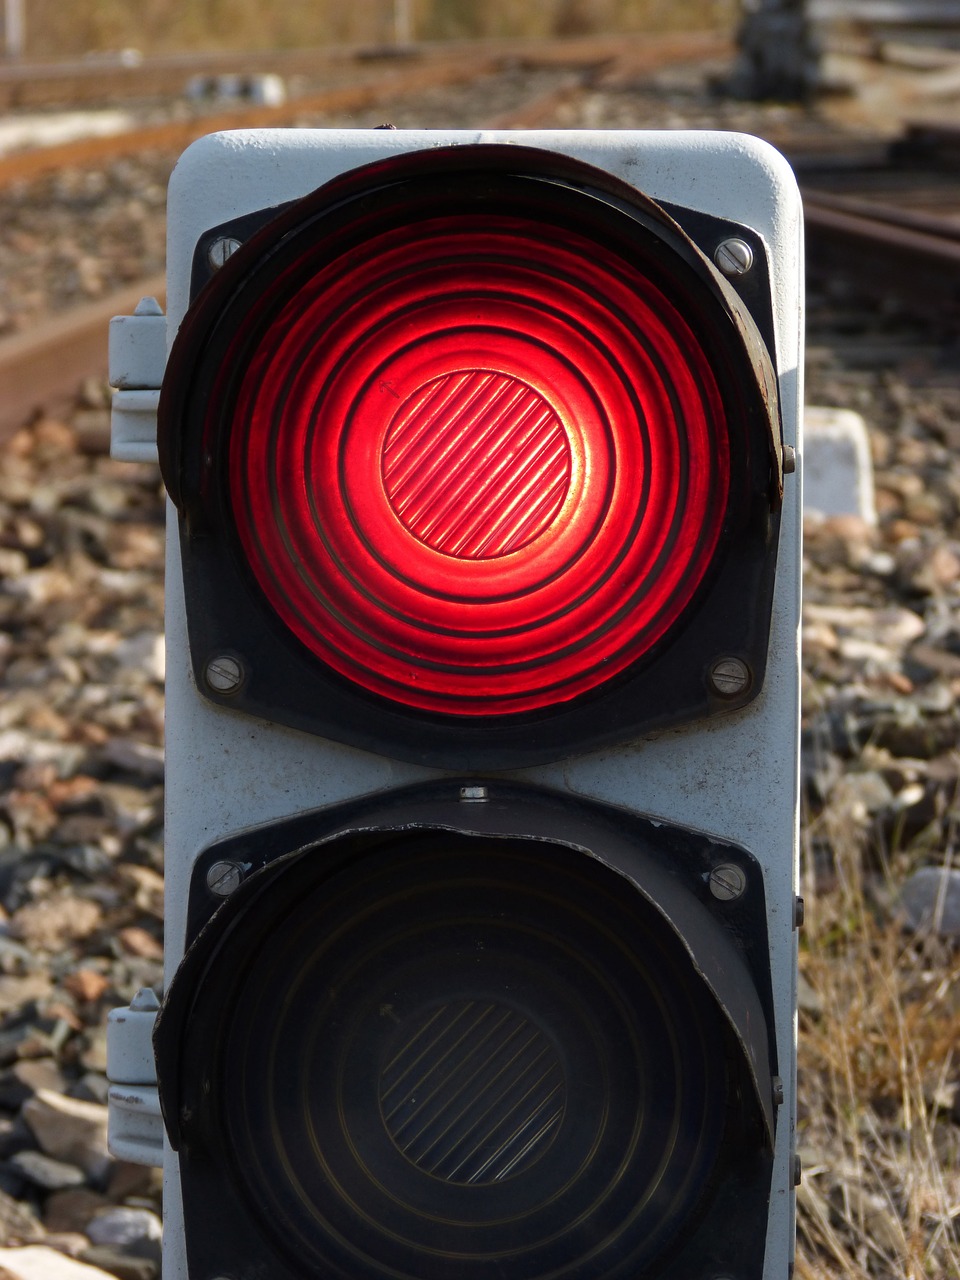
(473, 794)
(797, 1171)
(223, 878)
(778, 1094)
(798, 912)
(734, 257)
(224, 674)
(729, 677)
(727, 881)
(789, 459)
(223, 247)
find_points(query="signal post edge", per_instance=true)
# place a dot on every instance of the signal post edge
(733, 777)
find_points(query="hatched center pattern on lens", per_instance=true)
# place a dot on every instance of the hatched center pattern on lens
(474, 1092)
(476, 464)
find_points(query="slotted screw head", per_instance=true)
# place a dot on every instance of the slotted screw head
(727, 882)
(223, 878)
(223, 247)
(734, 257)
(729, 676)
(224, 674)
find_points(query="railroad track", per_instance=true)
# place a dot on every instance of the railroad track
(890, 221)
(176, 135)
(56, 355)
(373, 80)
(860, 220)
(116, 78)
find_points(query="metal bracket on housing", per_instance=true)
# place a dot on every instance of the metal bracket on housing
(135, 1126)
(138, 354)
(133, 426)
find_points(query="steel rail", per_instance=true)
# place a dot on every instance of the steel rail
(176, 135)
(937, 226)
(908, 253)
(885, 258)
(459, 64)
(99, 79)
(45, 366)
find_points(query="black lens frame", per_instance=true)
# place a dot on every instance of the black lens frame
(218, 1020)
(227, 613)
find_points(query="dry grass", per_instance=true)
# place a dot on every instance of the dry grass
(55, 29)
(879, 1062)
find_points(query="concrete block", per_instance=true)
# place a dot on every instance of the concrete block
(837, 464)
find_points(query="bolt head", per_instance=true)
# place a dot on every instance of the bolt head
(734, 257)
(223, 878)
(145, 1001)
(729, 677)
(727, 882)
(148, 307)
(224, 673)
(223, 248)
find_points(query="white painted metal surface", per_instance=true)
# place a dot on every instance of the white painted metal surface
(735, 777)
(129, 1041)
(138, 355)
(134, 1124)
(133, 426)
(137, 347)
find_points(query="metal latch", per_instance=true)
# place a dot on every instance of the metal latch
(138, 355)
(134, 1124)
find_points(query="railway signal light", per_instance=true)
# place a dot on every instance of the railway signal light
(482, 708)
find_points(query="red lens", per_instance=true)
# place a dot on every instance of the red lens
(479, 465)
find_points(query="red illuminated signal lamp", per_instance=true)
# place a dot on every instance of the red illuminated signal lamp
(480, 441)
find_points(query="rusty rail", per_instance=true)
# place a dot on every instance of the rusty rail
(877, 211)
(45, 366)
(911, 256)
(176, 135)
(371, 84)
(112, 78)
(894, 249)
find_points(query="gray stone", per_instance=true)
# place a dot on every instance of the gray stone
(123, 1226)
(70, 1129)
(930, 901)
(45, 1172)
(37, 1262)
